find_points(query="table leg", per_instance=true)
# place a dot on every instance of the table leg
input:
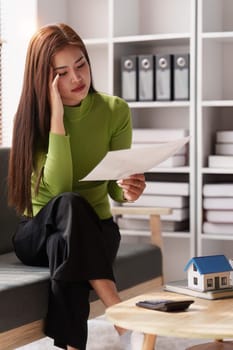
(149, 342)
(215, 345)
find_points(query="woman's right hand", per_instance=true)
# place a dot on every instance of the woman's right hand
(57, 109)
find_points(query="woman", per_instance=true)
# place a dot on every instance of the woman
(63, 127)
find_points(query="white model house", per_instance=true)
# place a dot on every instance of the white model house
(208, 272)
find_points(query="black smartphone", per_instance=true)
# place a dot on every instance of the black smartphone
(165, 305)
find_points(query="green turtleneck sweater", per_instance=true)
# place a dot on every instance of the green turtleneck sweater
(100, 124)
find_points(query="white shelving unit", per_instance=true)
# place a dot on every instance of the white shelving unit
(113, 28)
(138, 27)
(214, 107)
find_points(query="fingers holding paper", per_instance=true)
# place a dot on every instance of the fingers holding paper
(133, 186)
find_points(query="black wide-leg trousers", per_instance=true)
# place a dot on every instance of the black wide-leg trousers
(68, 236)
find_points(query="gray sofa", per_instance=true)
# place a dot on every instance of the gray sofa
(24, 289)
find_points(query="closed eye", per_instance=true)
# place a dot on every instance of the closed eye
(62, 74)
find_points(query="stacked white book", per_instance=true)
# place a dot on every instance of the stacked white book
(173, 195)
(223, 157)
(148, 137)
(218, 208)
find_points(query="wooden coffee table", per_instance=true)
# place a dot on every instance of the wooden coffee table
(207, 319)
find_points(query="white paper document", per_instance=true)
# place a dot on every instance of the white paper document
(123, 163)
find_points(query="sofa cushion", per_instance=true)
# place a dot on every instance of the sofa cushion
(23, 292)
(24, 289)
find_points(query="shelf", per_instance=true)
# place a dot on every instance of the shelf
(96, 42)
(145, 233)
(170, 170)
(219, 36)
(176, 234)
(155, 104)
(217, 171)
(217, 237)
(166, 39)
(217, 103)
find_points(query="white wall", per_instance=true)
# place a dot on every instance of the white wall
(17, 27)
(20, 20)
(50, 11)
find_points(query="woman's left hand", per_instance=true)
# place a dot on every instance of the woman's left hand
(132, 186)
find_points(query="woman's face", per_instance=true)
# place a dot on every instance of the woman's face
(74, 75)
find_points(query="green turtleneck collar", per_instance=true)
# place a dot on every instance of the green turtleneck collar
(78, 112)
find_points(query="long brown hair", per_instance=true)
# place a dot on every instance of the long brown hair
(32, 119)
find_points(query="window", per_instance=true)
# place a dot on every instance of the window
(209, 282)
(223, 281)
(194, 267)
(195, 281)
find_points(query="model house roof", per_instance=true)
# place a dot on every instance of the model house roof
(210, 264)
